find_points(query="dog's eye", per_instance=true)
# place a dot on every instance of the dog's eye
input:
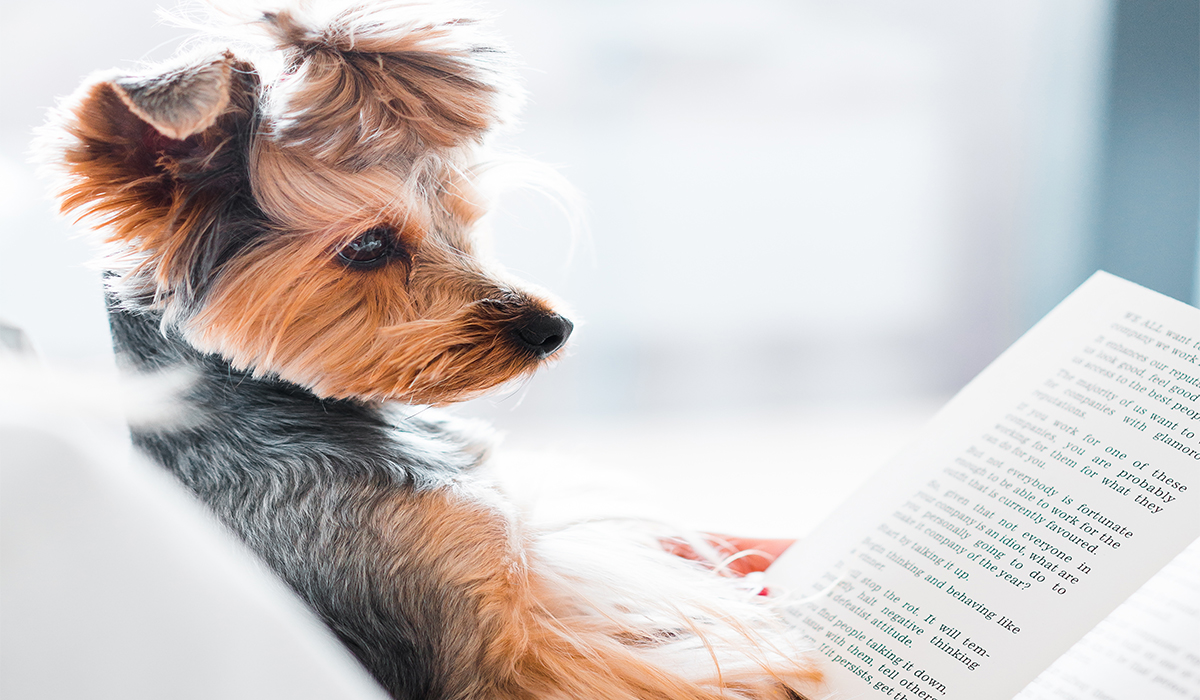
(370, 249)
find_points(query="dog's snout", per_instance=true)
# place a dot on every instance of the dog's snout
(543, 333)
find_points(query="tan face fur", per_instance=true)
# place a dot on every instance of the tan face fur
(225, 202)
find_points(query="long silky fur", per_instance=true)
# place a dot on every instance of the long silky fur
(223, 196)
(382, 82)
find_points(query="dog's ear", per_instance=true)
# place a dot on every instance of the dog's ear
(158, 161)
(181, 101)
(383, 82)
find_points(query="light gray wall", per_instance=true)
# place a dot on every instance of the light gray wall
(1145, 226)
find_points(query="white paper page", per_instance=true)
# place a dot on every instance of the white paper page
(1043, 495)
(1148, 648)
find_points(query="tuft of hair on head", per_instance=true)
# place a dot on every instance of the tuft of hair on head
(366, 83)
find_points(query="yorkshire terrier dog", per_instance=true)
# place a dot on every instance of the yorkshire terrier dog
(292, 222)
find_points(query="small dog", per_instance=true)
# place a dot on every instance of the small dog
(294, 224)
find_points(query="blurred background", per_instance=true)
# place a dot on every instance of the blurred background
(811, 221)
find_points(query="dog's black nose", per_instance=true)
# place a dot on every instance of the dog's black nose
(543, 333)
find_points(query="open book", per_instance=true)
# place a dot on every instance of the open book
(1042, 496)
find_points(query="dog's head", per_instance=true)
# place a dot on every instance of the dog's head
(316, 224)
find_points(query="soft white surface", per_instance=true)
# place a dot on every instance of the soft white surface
(114, 583)
(773, 475)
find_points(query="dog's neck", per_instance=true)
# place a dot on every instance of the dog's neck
(240, 424)
(140, 344)
(143, 345)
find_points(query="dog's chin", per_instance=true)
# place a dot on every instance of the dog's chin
(439, 397)
(443, 376)
(463, 374)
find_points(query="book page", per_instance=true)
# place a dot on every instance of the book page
(1148, 648)
(1044, 494)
